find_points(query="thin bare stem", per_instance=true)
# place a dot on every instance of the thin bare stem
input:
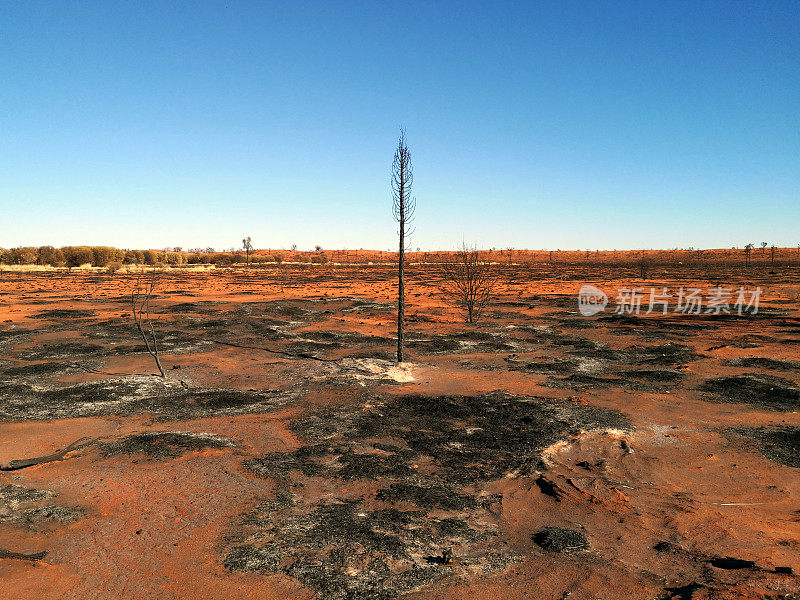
(140, 303)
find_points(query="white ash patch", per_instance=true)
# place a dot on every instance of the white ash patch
(610, 435)
(363, 370)
(590, 365)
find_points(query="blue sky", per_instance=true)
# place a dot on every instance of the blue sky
(531, 125)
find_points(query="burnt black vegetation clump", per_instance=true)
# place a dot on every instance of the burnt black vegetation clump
(663, 355)
(339, 550)
(29, 507)
(655, 375)
(760, 362)
(63, 313)
(427, 496)
(37, 369)
(764, 391)
(22, 401)
(437, 344)
(582, 381)
(461, 342)
(63, 350)
(12, 495)
(12, 334)
(559, 539)
(165, 444)
(472, 438)
(669, 354)
(547, 366)
(779, 444)
(394, 540)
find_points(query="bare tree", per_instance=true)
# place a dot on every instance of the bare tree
(247, 245)
(469, 281)
(763, 247)
(747, 250)
(644, 265)
(403, 207)
(140, 302)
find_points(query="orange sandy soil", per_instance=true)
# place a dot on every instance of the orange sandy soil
(161, 527)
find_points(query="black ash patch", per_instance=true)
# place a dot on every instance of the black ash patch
(559, 539)
(763, 391)
(63, 313)
(758, 362)
(28, 507)
(165, 444)
(780, 444)
(382, 545)
(167, 399)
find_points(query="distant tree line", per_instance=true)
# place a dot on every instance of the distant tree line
(107, 256)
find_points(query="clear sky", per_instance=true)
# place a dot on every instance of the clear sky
(531, 125)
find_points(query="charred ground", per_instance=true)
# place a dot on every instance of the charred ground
(298, 452)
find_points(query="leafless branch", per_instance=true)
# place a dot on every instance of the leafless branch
(469, 281)
(22, 555)
(404, 204)
(140, 303)
(24, 463)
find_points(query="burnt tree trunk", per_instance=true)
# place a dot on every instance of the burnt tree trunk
(401, 285)
(403, 209)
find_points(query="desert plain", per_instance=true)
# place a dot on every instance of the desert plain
(538, 454)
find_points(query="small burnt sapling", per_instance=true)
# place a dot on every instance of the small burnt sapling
(140, 303)
(469, 281)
